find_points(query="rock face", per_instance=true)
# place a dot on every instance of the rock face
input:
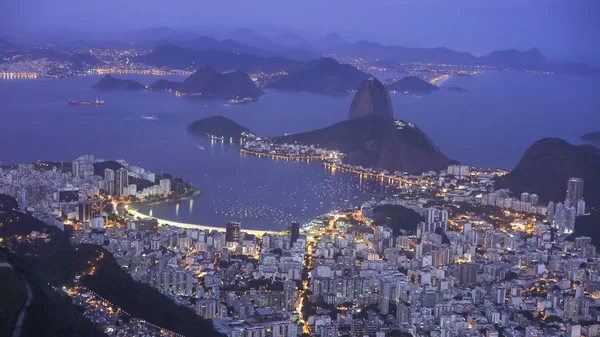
(371, 98)
(547, 165)
(375, 141)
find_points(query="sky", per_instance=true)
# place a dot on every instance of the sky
(559, 28)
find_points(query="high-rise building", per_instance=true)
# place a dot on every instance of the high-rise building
(574, 189)
(76, 168)
(525, 197)
(232, 232)
(385, 296)
(89, 209)
(121, 180)
(580, 207)
(290, 293)
(534, 199)
(165, 186)
(295, 232)
(467, 273)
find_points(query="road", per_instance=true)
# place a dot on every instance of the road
(19, 325)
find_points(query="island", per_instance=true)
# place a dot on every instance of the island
(109, 83)
(207, 82)
(322, 76)
(370, 138)
(412, 85)
(217, 127)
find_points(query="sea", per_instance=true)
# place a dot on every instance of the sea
(490, 127)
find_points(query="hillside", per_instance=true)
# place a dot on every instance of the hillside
(48, 314)
(547, 165)
(322, 76)
(372, 141)
(109, 83)
(218, 126)
(57, 261)
(210, 83)
(397, 218)
(412, 85)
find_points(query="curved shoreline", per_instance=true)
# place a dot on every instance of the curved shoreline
(161, 222)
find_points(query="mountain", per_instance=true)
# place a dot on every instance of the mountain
(373, 141)
(371, 98)
(591, 138)
(82, 61)
(48, 313)
(175, 57)
(109, 83)
(212, 84)
(55, 262)
(371, 138)
(547, 165)
(323, 76)
(413, 85)
(218, 126)
(402, 54)
(512, 58)
(331, 40)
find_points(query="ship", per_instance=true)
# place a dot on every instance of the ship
(95, 102)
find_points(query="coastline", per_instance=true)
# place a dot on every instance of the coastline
(142, 204)
(161, 222)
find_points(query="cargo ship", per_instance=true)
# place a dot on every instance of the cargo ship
(95, 102)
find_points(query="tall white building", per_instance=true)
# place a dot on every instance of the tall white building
(165, 186)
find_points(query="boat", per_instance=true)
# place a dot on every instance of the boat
(95, 102)
(201, 147)
(151, 118)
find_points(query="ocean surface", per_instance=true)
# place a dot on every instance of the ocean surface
(490, 126)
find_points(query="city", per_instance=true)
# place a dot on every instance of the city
(503, 262)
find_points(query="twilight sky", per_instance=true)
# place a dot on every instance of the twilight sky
(560, 28)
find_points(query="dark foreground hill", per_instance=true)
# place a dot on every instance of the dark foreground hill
(547, 165)
(372, 141)
(56, 263)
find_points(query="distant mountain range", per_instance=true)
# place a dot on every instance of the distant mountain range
(324, 76)
(547, 165)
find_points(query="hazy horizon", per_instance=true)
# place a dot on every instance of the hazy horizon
(560, 29)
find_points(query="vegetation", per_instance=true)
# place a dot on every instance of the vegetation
(396, 217)
(50, 313)
(57, 261)
(12, 298)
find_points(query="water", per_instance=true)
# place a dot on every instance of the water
(490, 127)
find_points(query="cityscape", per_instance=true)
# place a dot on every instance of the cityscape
(299, 169)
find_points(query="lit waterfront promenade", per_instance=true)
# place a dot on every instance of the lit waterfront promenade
(195, 226)
(366, 174)
(280, 156)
